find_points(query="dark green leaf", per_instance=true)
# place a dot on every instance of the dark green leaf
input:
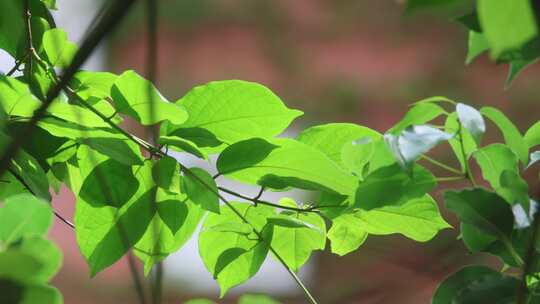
(484, 210)
(110, 183)
(201, 188)
(463, 282)
(392, 186)
(182, 145)
(166, 174)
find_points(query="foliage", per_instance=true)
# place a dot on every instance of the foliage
(507, 29)
(133, 196)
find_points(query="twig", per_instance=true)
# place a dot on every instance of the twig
(441, 165)
(136, 278)
(107, 24)
(256, 201)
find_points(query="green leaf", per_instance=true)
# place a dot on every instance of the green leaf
(296, 236)
(166, 174)
(256, 299)
(20, 267)
(484, 210)
(16, 98)
(470, 21)
(511, 134)
(25, 167)
(532, 136)
(332, 138)
(414, 141)
(392, 186)
(44, 251)
(507, 24)
(418, 219)
(476, 46)
(469, 144)
(345, 235)
(513, 188)
(280, 163)
(50, 4)
(460, 282)
(110, 183)
(357, 154)
(24, 215)
(235, 110)
(41, 294)
(419, 114)
(93, 84)
(136, 96)
(240, 228)
(201, 188)
(230, 257)
(175, 222)
(76, 114)
(516, 66)
(496, 159)
(105, 233)
(12, 22)
(105, 141)
(59, 50)
(471, 120)
(182, 145)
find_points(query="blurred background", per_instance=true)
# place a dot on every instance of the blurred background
(337, 60)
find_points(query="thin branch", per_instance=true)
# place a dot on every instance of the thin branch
(528, 265)
(441, 165)
(449, 178)
(29, 40)
(23, 182)
(468, 172)
(256, 201)
(257, 233)
(136, 278)
(107, 24)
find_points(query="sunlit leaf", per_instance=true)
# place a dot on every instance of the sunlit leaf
(280, 163)
(235, 110)
(230, 257)
(59, 50)
(136, 97)
(24, 215)
(511, 134)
